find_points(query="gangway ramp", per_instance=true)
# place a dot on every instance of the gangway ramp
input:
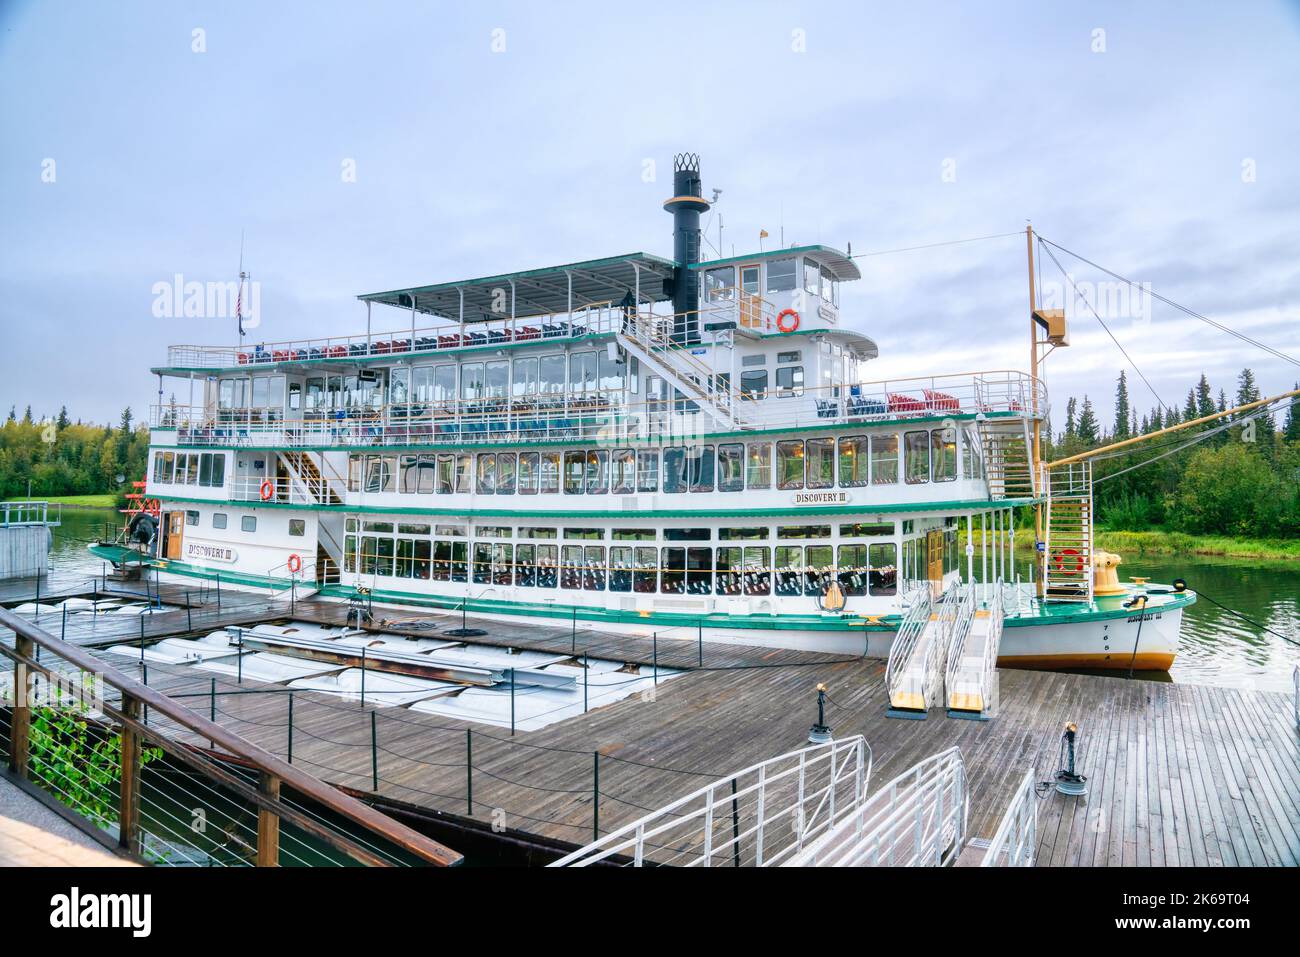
(915, 672)
(970, 683)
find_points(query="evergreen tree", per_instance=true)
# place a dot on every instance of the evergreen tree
(1087, 427)
(1265, 430)
(1070, 424)
(1122, 430)
(13, 417)
(1157, 423)
(62, 421)
(1204, 398)
(27, 416)
(1190, 409)
(1292, 427)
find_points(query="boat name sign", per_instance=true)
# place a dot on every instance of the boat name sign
(821, 498)
(212, 553)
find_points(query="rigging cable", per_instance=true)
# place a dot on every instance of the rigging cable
(1169, 302)
(1097, 316)
(1249, 621)
(951, 242)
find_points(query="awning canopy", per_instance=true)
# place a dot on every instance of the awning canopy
(537, 292)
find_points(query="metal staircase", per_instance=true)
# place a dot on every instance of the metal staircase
(1008, 468)
(971, 676)
(1067, 557)
(914, 673)
(648, 337)
(303, 470)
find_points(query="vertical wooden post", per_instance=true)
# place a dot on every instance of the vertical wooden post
(20, 721)
(268, 823)
(128, 836)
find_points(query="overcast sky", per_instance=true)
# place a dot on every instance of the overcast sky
(1161, 142)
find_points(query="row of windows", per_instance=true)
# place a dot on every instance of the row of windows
(247, 523)
(754, 570)
(190, 468)
(720, 282)
(756, 533)
(853, 461)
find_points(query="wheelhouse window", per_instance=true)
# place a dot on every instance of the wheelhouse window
(720, 284)
(780, 275)
(811, 278)
(789, 381)
(753, 383)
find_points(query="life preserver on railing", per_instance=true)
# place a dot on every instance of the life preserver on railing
(794, 320)
(267, 490)
(1061, 555)
(294, 564)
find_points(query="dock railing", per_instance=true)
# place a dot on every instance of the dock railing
(82, 735)
(1016, 839)
(760, 816)
(916, 820)
(30, 513)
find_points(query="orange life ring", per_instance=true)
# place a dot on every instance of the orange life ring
(294, 564)
(780, 320)
(267, 490)
(1060, 559)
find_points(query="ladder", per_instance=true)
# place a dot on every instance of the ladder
(647, 337)
(1067, 558)
(1007, 458)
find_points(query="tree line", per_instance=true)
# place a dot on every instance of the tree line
(1242, 478)
(61, 457)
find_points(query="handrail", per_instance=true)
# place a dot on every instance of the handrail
(917, 819)
(687, 827)
(909, 632)
(1016, 839)
(31, 512)
(136, 694)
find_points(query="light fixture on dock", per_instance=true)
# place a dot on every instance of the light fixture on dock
(820, 733)
(1068, 782)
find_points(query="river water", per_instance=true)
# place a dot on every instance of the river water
(1218, 648)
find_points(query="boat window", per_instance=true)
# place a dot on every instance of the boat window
(248, 523)
(482, 563)
(205, 469)
(503, 563)
(409, 477)
(471, 381)
(699, 571)
(674, 571)
(720, 283)
(970, 455)
(446, 473)
(731, 468)
(315, 398)
(218, 519)
(803, 531)
(623, 479)
(464, 466)
(192, 517)
(821, 463)
(752, 360)
(756, 533)
(855, 460)
(295, 396)
(444, 384)
(883, 578)
(549, 473)
(528, 473)
(526, 565)
(811, 278)
(620, 568)
(610, 373)
(728, 562)
(573, 467)
(533, 531)
(758, 465)
(497, 379)
(916, 457)
(547, 563)
(865, 530)
(852, 570)
(428, 469)
(675, 469)
(551, 378)
(789, 569)
(700, 468)
(820, 567)
(795, 355)
(645, 576)
(585, 534)
(487, 473)
(356, 468)
(789, 381)
(753, 384)
(789, 465)
(493, 531)
(582, 373)
(780, 275)
(571, 567)
(756, 578)
(943, 454)
(261, 392)
(422, 384)
(647, 471)
(687, 534)
(505, 473)
(828, 287)
(525, 378)
(597, 472)
(884, 459)
(593, 571)
(399, 382)
(634, 534)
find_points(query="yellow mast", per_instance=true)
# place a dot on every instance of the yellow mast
(1035, 454)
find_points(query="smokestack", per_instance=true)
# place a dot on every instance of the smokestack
(686, 204)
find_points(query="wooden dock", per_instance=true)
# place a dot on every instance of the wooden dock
(1177, 774)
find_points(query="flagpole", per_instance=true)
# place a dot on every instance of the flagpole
(239, 296)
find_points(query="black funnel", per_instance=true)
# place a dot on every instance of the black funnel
(686, 204)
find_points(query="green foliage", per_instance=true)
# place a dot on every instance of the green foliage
(81, 765)
(66, 458)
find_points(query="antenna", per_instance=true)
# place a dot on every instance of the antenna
(239, 295)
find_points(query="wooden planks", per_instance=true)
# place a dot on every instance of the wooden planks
(1177, 774)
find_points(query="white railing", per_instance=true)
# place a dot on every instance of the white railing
(969, 683)
(564, 416)
(914, 671)
(916, 820)
(760, 816)
(1016, 840)
(30, 513)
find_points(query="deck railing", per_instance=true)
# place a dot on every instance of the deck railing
(1016, 840)
(916, 820)
(82, 734)
(601, 415)
(756, 817)
(30, 513)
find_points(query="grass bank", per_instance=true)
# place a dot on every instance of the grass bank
(1157, 542)
(105, 500)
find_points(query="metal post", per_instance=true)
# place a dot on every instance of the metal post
(595, 795)
(573, 647)
(735, 825)
(291, 727)
(586, 670)
(142, 640)
(655, 652)
(469, 771)
(218, 591)
(374, 750)
(189, 618)
(38, 597)
(699, 643)
(363, 676)
(63, 631)
(512, 702)
(212, 702)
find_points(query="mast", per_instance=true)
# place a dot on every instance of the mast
(1035, 453)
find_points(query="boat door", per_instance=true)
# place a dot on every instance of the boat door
(173, 534)
(751, 311)
(934, 561)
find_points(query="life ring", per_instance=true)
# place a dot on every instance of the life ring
(1061, 556)
(267, 490)
(294, 564)
(780, 320)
